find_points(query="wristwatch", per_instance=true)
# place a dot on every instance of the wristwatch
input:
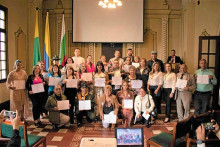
(200, 141)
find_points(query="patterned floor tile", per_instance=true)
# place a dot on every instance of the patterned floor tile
(29, 132)
(62, 130)
(32, 126)
(169, 128)
(57, 138)
(48, 127)
(38, 130)
(43, 134)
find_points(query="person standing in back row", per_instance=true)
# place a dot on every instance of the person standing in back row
(203, 90)
(153, 60)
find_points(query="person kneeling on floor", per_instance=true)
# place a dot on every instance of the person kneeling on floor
(143, 107)
(85, 104)
(56, 117)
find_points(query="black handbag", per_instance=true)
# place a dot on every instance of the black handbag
(154, 112)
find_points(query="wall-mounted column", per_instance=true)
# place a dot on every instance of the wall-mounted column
(164, 39)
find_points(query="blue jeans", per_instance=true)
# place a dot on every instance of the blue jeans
(201, 102)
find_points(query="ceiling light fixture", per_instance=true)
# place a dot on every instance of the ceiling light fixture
(110, 3)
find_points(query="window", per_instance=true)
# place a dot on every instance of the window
(3, 43)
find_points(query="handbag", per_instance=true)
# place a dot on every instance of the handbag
(154, 111)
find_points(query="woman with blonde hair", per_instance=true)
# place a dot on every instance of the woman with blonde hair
(123, 96)
(108, 103)
(154, 85)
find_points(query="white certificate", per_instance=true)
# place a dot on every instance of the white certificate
(63, 105)
(128, 104)
(181, 83)
(116, 80)
(136, 84)
(146, 116)
(126, 68)
(37, 88)
(85, 105)
(19, 84)
(202, 79)
(71, 83)
(110, 118)
(53, 81)
(136, 64)
(86, 76)
(100, 82)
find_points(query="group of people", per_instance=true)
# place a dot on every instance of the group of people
(158, 82)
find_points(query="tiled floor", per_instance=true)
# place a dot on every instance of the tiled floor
(71, 137)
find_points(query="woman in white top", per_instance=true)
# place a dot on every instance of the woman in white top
(143, 104)
(168, 89)
(154, 85)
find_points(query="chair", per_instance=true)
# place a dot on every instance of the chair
(27, 140)
(177, 138)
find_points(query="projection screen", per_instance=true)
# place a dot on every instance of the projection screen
(92, 23)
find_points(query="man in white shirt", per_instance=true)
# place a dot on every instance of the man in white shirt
(77, 58)
(117, 57)
(143, 104)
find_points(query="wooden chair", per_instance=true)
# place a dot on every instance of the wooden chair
(27, 140)
(177, 138)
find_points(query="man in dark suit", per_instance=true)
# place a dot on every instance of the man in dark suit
(129, 54)
(173, 58)
(154, 59)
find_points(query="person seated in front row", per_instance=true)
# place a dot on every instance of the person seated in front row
(51, 106)
(143, 104)
(84, 110)
(108, 103)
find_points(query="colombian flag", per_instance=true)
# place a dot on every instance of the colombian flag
(36, 52)
(63, 44)
(47, 56)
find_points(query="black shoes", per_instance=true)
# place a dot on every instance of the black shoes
(79, 125)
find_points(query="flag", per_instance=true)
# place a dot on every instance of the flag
(63, 44)
(47, 43)
(36, 52)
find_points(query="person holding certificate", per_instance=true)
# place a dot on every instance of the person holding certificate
(143, 71)
(205, 79)
(55, 74)
(108, 103)
(127, 65)
(168, 89)
(44, 73)
(16, 83)
(154, 85)
(183, 93)
(106, 64)
(37, 98)
(132, 76)
(99, 73)
(56, 116)
(116, 71)
(70, 91)
(69, 61)
(143, 107)
(89, 65)
(126, 101)
(85, 104)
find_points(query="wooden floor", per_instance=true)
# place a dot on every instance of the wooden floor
(71, 137)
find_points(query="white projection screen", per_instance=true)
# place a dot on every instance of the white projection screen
(92, 23)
